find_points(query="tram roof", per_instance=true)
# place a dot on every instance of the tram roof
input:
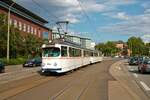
(66, 42)
(69, 43)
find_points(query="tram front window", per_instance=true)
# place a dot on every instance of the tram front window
(51, 52)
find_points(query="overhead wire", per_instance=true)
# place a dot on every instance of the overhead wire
(86, 15)
(83, 10)
(46, 10)
(79, 3)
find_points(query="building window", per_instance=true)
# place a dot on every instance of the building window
(28, 29)
(15, 23)
(31, 30)
(20, 26)
(39, 33)
(35, 31)
(24, 27)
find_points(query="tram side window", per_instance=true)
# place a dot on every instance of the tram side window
(86, 53)
(63, 51)
(74, 52)
(71, 52)
(77, 53)
(95, 54)
(91, 54)
(80, 53)
(100, 53)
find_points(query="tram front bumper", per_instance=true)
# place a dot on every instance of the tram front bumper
(45, 70)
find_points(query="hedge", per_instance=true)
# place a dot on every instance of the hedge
(13, 61)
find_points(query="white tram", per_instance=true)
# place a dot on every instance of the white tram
(63, 56)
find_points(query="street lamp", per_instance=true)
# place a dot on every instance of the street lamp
(8, 30)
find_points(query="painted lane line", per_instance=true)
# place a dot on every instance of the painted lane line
(135, 75)
(119, 68)
(129, 67)
(145, 86)
(116, 67)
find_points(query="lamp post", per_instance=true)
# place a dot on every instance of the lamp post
(8, 30)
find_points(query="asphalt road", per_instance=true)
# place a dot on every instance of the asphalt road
(90, 82)
(143, 80)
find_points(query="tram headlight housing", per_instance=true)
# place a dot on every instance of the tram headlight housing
(55, 64)
(43, 64)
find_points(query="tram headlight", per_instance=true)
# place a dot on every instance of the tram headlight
(43, 64)
(55, 64)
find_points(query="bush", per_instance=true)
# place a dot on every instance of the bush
(14, 61)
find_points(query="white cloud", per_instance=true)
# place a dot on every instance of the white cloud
(122, 15)
(135, 25)
(92, 6)
(71, 18)
(146, 38)
(147, 11)
(64, 3)
(61, 8)
(70, 10)
(120, 2)
(117, 15)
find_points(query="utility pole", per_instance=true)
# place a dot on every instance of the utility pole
(8, 30)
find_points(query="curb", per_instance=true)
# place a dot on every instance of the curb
(127, 92)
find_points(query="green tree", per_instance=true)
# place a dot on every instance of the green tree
(137, 46)
(19, 45)
(32, 44)
(3, 35)
(108, 49)
(148, 48)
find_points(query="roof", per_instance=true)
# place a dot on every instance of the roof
(69, 35)
(67, 42)
(24, 10)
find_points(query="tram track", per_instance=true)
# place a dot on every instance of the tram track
(19, 86)
(79, 86)
(17, 83)
(83, 90)
(23, 85)
(26, 85)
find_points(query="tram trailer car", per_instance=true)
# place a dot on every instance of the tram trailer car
(63, 56)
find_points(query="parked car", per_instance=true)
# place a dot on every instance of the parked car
(2, 67)
(33, 62)
(140, 60)
(133, 61)
(144, 66)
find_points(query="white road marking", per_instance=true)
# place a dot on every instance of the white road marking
(119, 68)
(135, 75)
(129, 67)
(145, 86)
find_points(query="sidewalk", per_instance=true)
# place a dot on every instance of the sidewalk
(16, 72)
(11, 68)
(119, 90)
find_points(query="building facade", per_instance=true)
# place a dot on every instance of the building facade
(23, 19)
(124, 49)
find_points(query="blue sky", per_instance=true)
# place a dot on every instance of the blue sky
(100, 20)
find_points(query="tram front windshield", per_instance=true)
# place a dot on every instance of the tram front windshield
(51, 52)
